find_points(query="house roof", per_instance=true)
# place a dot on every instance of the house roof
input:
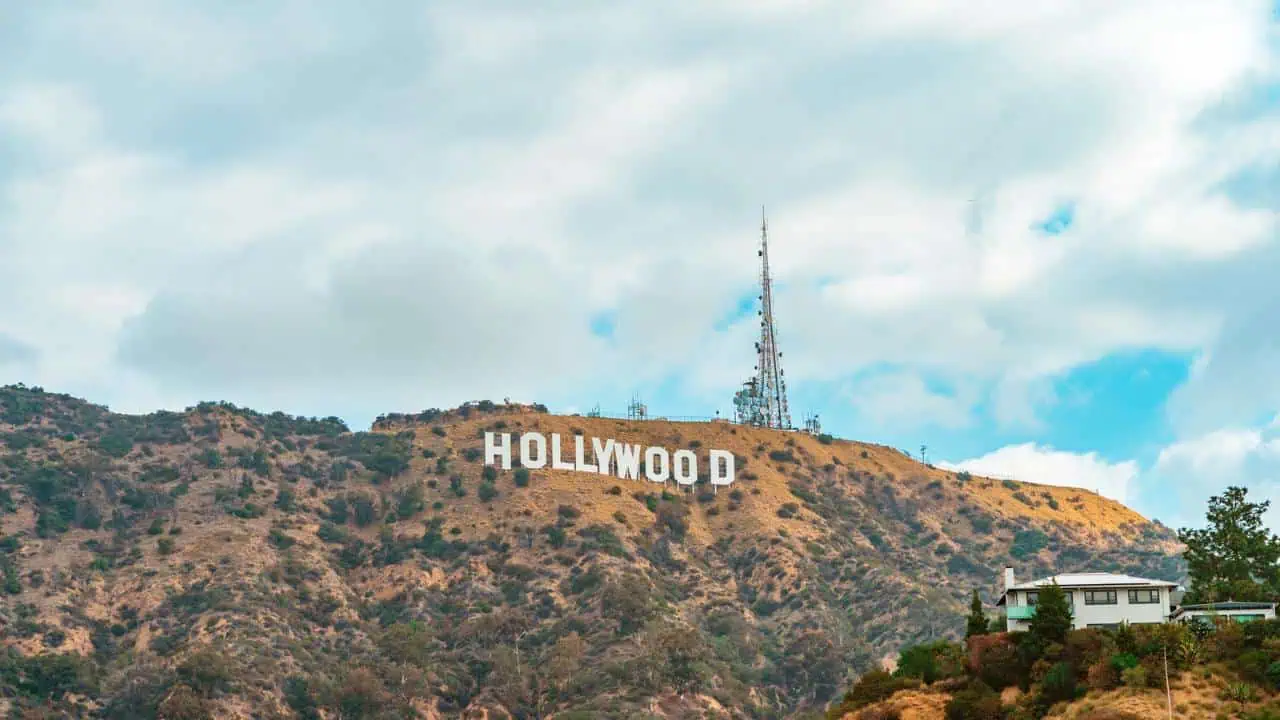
(1068, 581)
(1216, 607)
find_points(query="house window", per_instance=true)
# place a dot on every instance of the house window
(1144, 597)
(1034, 597)
(1248, 618)
(1099, 597)
(1103, 626)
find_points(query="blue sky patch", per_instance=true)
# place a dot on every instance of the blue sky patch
(603, 324)
(745, 307)
(1059, 221)
(1256, 187)
(1115, 406)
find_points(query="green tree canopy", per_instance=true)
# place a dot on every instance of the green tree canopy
(1236, 557)
(931, 662)
(977, 623)
(1052, 620)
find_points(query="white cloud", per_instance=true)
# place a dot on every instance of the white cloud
(904, 400)
(260, 207)
(1175, 487)
(1188, 472)
(1033, 463)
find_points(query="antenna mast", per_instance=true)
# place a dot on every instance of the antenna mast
(770, 383)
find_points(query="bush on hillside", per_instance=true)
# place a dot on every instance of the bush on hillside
(976, 702)
(1085, 647)
(1102, 675)
(931, 662)
(1058, 685)
(871, 688)
(995, 660)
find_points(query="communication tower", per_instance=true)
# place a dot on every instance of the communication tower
(812, 425)
(637, 410)
(763, 399)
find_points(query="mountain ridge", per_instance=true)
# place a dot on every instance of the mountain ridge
(355, 560)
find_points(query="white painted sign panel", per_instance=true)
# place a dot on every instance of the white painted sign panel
(607, 457)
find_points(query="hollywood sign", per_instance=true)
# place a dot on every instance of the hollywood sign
(608, 457)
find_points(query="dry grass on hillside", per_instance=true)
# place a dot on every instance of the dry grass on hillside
(1082, 510)
(1197, 695)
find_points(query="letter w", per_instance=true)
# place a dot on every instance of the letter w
(628, 460)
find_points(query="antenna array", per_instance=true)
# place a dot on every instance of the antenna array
(762, 400)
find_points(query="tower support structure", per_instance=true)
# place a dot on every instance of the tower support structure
(763, 399)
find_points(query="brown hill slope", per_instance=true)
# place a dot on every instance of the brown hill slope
(219, 560)
(1203, 694)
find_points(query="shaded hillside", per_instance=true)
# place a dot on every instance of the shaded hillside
(220, 560)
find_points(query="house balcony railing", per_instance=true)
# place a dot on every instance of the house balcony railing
(1025, 612)
(1021, 612)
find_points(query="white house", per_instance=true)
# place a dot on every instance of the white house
(1097, 600)
(1238, 611)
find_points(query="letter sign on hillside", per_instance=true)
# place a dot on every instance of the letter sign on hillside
(609, 457)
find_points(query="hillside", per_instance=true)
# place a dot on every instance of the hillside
(1212, 676)
(221, 562)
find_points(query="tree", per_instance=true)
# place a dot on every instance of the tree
(931, 662)
(1236, 556)
(978, 623)
(1052, 620)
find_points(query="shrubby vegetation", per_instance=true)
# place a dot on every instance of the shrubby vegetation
(1234, 556)
(358, 574)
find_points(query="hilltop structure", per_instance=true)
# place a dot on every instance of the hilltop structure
(762, 401)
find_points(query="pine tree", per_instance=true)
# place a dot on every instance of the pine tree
(977, 624)
(1052, 619)
(1236, 557)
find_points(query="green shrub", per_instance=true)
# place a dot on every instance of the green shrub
(1058, 685)
(1028, 542)
(279, 539)
(286, 500)
(931, 662)
(1134, 677)
(1254, 665)
(1273, 674)
(871, 688)
(976, 702)
(1123, 661)
(522, 477)
(337, 510)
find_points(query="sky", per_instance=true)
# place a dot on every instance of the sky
(1038, 239)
